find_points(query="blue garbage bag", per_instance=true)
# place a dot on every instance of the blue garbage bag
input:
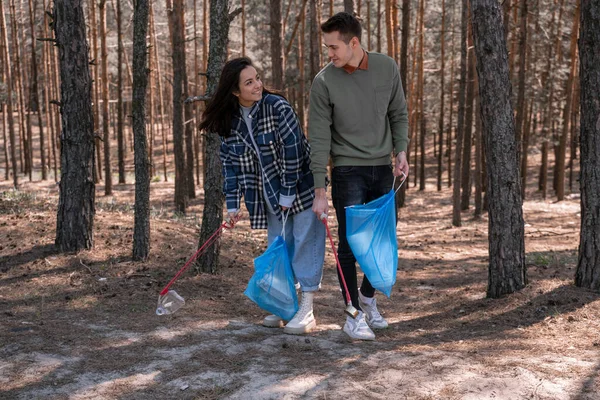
(371, 234)
(272, 285)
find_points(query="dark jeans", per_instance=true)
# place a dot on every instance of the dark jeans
(352, 186)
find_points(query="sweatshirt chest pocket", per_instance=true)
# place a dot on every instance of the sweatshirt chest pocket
(383, 94)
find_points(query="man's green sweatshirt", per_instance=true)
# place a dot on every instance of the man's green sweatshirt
(359, 118)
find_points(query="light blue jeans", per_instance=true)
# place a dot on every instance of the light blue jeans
(305, 239)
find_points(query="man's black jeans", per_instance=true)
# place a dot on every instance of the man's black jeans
(352, 186)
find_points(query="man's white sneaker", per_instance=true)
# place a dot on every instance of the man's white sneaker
(369, 306)
(357, 328)
(304, 320)
(272, 321)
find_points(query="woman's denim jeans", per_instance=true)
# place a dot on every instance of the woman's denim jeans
(305, 238)
(352, 186)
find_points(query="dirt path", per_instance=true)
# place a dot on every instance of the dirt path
(82, 326)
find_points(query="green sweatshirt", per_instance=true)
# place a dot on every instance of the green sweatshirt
(359, 119)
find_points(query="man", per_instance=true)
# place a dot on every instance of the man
(358, 115)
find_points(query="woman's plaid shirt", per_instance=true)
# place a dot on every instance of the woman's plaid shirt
(284, 156)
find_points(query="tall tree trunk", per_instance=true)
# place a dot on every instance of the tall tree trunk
(244, 27)
(276, 46)
(301, 73)
(176, 26)
(162, 108)
(75, 217)
(421, 106)
(389, 27)
(525, 149)
(378, 26)
(507, 269)
(34, 98)
(8, 110)
(120, 122)
(25, 122)
(479, 177)
(521, 104)
(442, 93)
(588, 265)
(96, 88)
(401, 194)
(466, 181)
(349, 7)
(141, 228)
(574, 142)
(562, 146)
(456, 217)
(213, 181)
(315, 49)
(369, 44)
(105, 99)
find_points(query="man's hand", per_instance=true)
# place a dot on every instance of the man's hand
(233, 215)
(401, 165)
(320, 205)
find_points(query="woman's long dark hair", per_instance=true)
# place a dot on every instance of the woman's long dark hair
(223, 106)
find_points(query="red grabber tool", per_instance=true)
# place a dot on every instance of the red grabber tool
(168, 300)
(350, 310)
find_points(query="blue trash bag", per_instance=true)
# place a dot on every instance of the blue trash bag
(371, 233)
(272, 285)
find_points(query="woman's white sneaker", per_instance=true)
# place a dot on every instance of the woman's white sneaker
(304, 320)
(357, 328)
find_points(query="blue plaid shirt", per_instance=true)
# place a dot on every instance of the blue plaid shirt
(284, 157)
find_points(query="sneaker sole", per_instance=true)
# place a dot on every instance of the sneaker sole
(357, 338)
(273, 324)
(300, 330)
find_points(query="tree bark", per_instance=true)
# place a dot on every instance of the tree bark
(105, 99)
(75, 219)
(120, 122)
(521, 104)
(401, 194)
(213, 181)
(276, 46)
(562, 145)
(349, 7)
(9, 91)
(456, 217)
(422, 121)
(176, 26)
(440, 153)
(588, 265)
(141, 229)
(507, 269)
(466, 181)
(315, 49)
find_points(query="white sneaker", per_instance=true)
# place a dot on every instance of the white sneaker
(304, 320)
(369, 306)
(357, 328)
(272, 321)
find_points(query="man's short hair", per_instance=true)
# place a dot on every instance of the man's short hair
(346, 24)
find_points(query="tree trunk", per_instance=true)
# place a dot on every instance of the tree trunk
(521, 104)
(574, 142)
(120, 122)
(449, 135)
(588, 266)
(75, 219)
(34, 103)
(440, 154)
(105, 98)
(479, 177)
(141, 228)
(378, 26)
(276, 46)
(466, 181)
(301, 73)
(389, 27)
(562, 146)
(456, 217)
(315, 49)
(421, 78)
(349, 7)
(213, 181)
(507, 269)
(176, 26)
(8, 110)
(96, 88)
(401, 194)
(525, 149)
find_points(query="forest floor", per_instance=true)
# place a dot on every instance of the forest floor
(83, 326)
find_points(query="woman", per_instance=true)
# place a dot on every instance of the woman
(266, 159)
